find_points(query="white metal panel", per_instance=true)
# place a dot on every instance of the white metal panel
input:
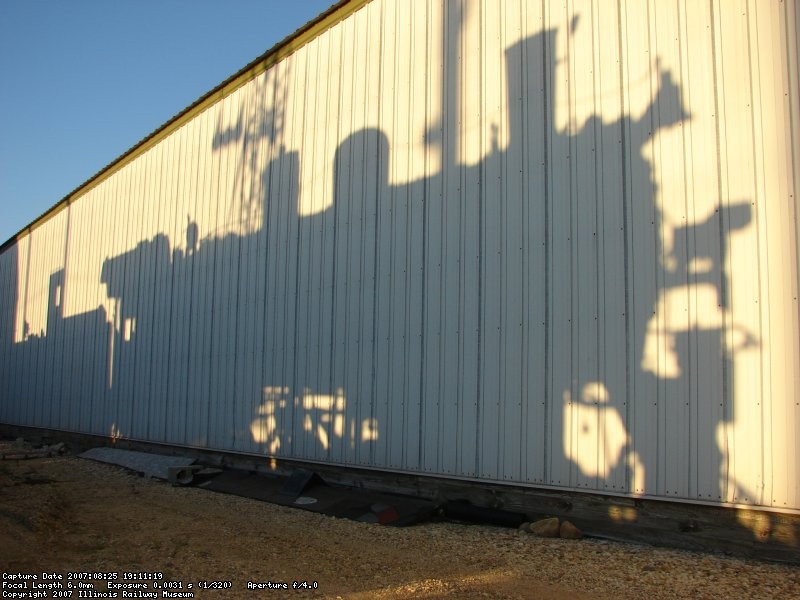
(384, 394)
(431, 400)
(560, 270)
(532, 128)
(243, 306)
(264, 330)
(215, 396)
(134, 330)
(489, 398)
(85, 351)
(47, 251)
(583, 237)
(290, 170)
(451, 355)
(162, 418)
(276, 181)
(132, 293)
(398, 232)
(279, 297)
(95, 334)
(792, 109)
(404, 234)
(470, 242)
(36, 312)
(225, 279)
(309, 300)
(114, 273)
(739, 181)
(56, 230)
(126, 309)
(137, 330)
(9, 286)
(346, 276)
(418, 161)
(330, 397)
(202, 288)
(156, 192)
(672, 310)
(252, 269)
(369, 156)
(123, 276)
(611, 388)
(343, 227)
(414, 46)
(80, 348)
(775, 33)
(348, 204)
(8, 308)
(22, 350)
(18, 254)
(512, 247)
(35, 308)
(118, 276)
(290, 187)
(175, 260)
(702, 197)
(644, 222)
(310, 260)
(45, 262)
(154, 331)
(94, 214)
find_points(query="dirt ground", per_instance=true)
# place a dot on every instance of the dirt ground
(69, 515)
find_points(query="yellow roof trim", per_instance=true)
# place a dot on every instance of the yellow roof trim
(336, 13)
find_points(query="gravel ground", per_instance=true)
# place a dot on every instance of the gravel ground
(65, 514)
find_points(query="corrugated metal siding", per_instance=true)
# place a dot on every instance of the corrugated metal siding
(545, 243)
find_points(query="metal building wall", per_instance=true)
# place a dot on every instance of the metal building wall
(548, 243)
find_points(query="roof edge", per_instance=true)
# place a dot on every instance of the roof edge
(287, 46)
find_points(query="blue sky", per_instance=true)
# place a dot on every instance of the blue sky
(81, 81)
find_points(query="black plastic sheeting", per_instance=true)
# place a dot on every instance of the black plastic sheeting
(306, 490)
